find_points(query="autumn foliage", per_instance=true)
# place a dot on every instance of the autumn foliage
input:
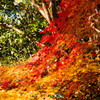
(63, 69)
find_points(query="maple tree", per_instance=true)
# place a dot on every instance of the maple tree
(65, 68)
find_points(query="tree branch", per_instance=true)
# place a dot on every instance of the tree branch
(46, 12)
(42, 10)
(50, 6)
(11, 27)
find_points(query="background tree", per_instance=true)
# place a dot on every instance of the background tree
(20, 24)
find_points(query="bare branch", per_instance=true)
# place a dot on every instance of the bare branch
(42, 10)
(51, 10)
(97, 30)
(11, 27)
(46, 12)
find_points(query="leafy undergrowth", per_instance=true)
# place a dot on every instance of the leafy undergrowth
(65, 68)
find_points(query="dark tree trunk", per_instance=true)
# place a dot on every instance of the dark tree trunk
(55, 4)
